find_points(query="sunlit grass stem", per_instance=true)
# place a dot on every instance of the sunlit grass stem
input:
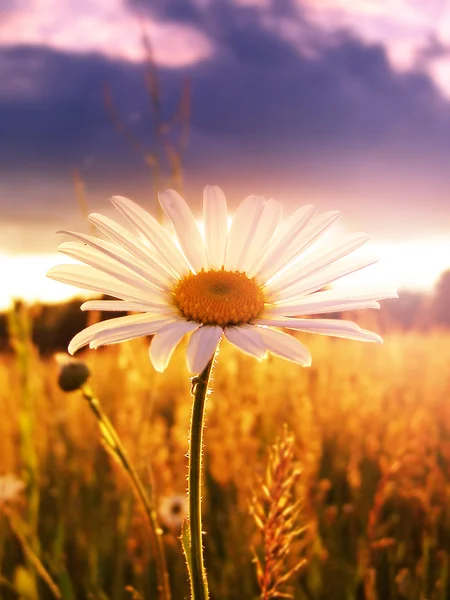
(197, 572)
(31, 554)
(20, 326)
(112, 439)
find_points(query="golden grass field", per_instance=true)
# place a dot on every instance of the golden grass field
(371, 433)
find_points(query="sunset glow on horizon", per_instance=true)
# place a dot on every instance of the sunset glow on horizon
(411, 266)
(24, 278)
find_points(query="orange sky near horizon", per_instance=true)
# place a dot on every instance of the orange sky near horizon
(414, 266)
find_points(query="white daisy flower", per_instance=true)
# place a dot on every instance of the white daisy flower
(173, 510)
(245, 283)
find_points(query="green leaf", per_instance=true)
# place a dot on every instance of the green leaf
(186, 543)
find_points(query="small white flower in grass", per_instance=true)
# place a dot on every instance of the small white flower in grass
(173, 511)
(245, 282)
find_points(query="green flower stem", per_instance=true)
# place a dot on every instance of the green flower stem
(112, 439)
(197, 573)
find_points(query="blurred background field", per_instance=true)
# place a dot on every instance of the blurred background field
(339, 103)
(371, 434)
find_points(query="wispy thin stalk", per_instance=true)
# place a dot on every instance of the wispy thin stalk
(169, 134)
(114, 443)
(31, 555)
(20, 328)
(197, 572)
(80, 194)
(79, 188)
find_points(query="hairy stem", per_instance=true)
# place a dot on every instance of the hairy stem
(197, 573)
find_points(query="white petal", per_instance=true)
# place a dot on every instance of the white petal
(154, 233)
(186, 228)
(247, 339)
(129, 332)
(317, 260)
(306, 238)
(243, 227)
(127, 306)
(314, 230)
(283, 240)
(166, 340)
(333, 300)
(117, 253)
(318, 280)
(333, 327)
(201, 347)
(339, 307)
(260, 238)
(285, 345)
(215, 219)
(97, 243)
(253, 230)
(94, 280)
(124, 271)
(111, 325)
(126, 240)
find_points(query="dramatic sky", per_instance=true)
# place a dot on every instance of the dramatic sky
(343, 103)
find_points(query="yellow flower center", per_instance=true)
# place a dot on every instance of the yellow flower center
(219, 298)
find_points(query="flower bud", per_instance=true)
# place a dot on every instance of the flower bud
(72, 375)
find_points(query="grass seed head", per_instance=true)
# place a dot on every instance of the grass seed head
(277, 511)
